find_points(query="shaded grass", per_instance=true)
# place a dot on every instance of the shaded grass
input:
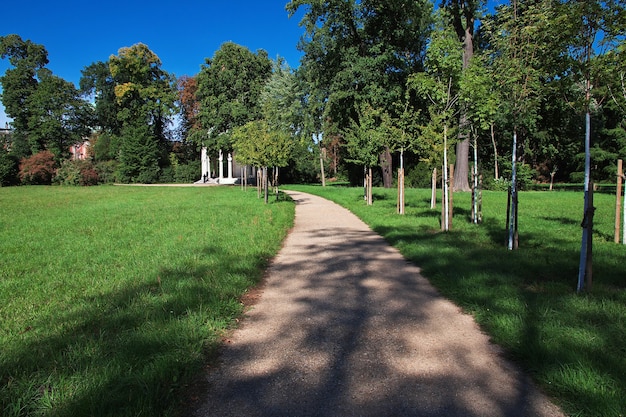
(112, 297)
(573, 345)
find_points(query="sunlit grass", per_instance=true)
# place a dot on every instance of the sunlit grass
(112, 297)
(573, 345)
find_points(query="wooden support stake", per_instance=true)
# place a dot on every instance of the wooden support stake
(451, 198)
(589, 265)
(433, 196)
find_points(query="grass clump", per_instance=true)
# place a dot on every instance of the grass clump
(111, 297)
(573, 345)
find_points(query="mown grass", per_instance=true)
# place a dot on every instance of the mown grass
(573, 345)
(111, 297)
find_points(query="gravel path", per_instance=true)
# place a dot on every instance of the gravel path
(345, 326)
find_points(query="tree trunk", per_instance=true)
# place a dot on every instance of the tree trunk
(587, 223)
(322, 168)
(495, 153)
(461, 182)
(445, 212)
(385, 163)
(265, 185)
(512, 220)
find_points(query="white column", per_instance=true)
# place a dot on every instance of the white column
(205, 164)
(230, 166)
(221, 170)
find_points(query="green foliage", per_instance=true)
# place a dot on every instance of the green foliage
(187, 173)
(258, 144)
(59, 116)
(9, 169)
(47, 111)
(419, 176)
(367, 136)
(358, 54)
(525, 174)
(106, 171)
(139, 156)
(97, 81)
(76, 172)
(112, 298)
(20, 82)
(38, 169)
(572, 345)
(105, 146)
(229, 87)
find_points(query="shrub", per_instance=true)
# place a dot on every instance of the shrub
(68, 173)
(76, 172)
(9, 168)
(106, 171)
(419, 176)
(38, 169)
(187, 173)
(498, 184)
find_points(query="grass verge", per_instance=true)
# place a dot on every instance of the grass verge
(572, 345)
(112, 297)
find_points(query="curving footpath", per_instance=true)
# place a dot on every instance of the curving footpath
(345, 326)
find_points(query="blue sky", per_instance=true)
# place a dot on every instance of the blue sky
(182, 34)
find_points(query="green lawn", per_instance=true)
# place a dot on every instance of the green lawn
(573, 345)
(111, 298)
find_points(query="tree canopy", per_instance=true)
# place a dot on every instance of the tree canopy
(229, 87)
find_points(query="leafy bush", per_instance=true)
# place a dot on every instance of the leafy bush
(497, 184)
(525, 174)
(38, 169)
(9, 168)
(73, 172)
(68, 173)
(167, 175)
(187, 173)
(106, 171)
(419, 176)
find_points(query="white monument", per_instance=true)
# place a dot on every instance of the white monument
(206, 169)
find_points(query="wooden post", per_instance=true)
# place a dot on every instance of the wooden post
(451, 201)
(480, 198)
(618, 202)
(508, 214)
(369, 187)
(433, 196)
(589, 266)
(443, 200)
(400, 190)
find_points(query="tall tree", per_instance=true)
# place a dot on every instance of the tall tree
(366, 138)
(259, 144)
(591, 24)
(360, 53)
(229, 86)
(19, 83)
(462, 15)
(97, 81)
(59, 118)
(48, 112)
(521, 38)
(439, 85)
(146, 96)
(189, 106)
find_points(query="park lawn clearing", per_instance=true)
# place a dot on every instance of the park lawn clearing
(112, 298)
(572, 345)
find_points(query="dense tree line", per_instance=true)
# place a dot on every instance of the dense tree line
(379, 80)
